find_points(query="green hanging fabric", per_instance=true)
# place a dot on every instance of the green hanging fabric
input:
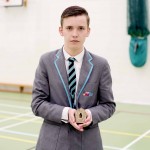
(138, 29)
(137, 18)
(138, 51)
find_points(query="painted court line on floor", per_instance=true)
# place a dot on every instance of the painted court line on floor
(34, 142)
(14, 117)
(122, 133)
(23, 119)
(136, 140)
(17, 139)
(13, 113)
(9, 113)
(19, 133)
(106, 131)
(17, 124)
(133, 112)
(31, 148)
(15, 106)
(112, 147)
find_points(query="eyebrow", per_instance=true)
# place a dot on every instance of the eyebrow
(73, 26)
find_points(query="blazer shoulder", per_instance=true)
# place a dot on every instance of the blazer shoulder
(49, 55)
(98, 59)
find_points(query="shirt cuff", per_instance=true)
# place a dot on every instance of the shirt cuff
(64, 117)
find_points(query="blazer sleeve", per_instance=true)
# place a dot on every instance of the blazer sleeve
(41, 105)
(106, 105)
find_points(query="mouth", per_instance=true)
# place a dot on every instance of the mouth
(74, 41)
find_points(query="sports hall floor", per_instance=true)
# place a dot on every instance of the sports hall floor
(128, 129)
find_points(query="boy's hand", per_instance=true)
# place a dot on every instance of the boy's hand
(88, 119)
(72, 121)
(79, 127)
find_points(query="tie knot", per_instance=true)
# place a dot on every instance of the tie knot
(71, 59)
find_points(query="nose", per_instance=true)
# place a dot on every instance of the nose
(75, 33)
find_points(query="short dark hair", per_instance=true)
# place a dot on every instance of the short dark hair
(74, 11)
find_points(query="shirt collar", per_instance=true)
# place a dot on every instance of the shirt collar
(78, 57)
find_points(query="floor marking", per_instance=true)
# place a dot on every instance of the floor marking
(112, 147)
(31, 148)
(17, 139)
(133, 112)
(14, 117)
(17, 124)
(22, 119)
(122, 133)
(19, 133)
(11, 113)
(136, 140)
(103, 131)
(14, 106)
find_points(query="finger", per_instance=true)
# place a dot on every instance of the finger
(87, 119)
(83, 125)
(72, 119)
(71, 116)
(89, 116)
(76, 126)
(86, 123)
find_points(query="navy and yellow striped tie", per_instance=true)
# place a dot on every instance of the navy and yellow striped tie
(72, 79)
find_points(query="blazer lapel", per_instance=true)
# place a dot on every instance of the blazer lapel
(61, 69)
(86, 70)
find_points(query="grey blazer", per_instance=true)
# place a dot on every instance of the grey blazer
(51, 95)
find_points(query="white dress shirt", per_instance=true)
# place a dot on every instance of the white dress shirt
(77, 65)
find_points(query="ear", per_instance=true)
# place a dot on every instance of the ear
(88, 32)
(61, 31)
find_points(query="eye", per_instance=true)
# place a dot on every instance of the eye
(69, 28)
(81, 28)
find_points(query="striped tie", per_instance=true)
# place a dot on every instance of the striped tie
(72, 79)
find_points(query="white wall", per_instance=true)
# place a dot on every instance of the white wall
(26, 33)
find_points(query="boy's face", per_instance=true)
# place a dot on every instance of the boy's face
(74, 30)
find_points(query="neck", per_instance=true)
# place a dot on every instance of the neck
(73, 52)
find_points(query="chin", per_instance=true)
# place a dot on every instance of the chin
(75, 48)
